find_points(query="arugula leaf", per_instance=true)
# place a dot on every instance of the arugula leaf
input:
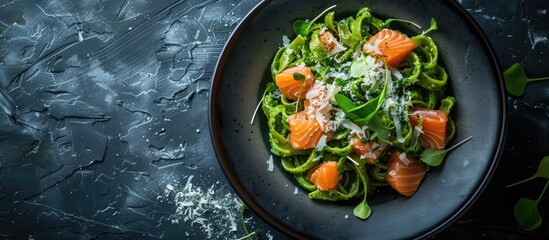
(433, 26)
(380, 130)
(435, 157)
(302, 27)
(298, 76)
(364, 113)
(346, 105)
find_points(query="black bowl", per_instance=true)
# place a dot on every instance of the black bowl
(243, 148)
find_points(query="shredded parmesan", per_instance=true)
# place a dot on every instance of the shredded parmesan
(375, 46)
(270, 164)
(215, 213)
(338, 48)
(404, 159)
(321, 143)
(368, 155)
(415, 135)
(285, 41)
(352, 160)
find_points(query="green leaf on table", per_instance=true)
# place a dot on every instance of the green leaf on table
(542, 172)
(302, 27)
(434, 158)
(433, 26)
(516, 79)
(527, 214)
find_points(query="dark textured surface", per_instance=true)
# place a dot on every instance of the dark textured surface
(103, 119)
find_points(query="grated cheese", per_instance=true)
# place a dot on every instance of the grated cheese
(404, 159)
(375, 46)
(338, 48)
(321, 143)
(415, 135)
(213, 212)
(285, 41)
(270, 164)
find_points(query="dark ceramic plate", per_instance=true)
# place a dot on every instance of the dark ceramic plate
(243, 148)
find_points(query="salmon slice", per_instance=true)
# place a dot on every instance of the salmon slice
(305, 131)
(405, 173)
(330, 43)
(390, 44)
(368, 151)
(292, 88)
(326, 39)
(433, 127)
(325, 176)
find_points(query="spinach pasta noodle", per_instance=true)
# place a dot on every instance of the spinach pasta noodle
(355, 105)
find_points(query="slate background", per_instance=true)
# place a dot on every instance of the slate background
(103, 118)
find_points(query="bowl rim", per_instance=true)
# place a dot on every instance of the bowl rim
(214, 124)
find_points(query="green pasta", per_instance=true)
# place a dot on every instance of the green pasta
(349, 92)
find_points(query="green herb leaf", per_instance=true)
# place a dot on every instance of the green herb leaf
(543, 168)
(542, 172)
(302, 27)
(527, 214)
(433, 26)
(358, 68)
(435, 157)
(362, 210)
(516, 79)
(388, 22)
(346, 105)
(526, 210)
(364, 113)
(298, 76)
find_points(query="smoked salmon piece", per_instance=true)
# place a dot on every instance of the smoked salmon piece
(327, 40)
(391, 45)
(405, 173)
(433, 127)
(305, 131)
(293, 88)
(325, 176)
(368, 151)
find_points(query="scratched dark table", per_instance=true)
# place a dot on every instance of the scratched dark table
(104, 130)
